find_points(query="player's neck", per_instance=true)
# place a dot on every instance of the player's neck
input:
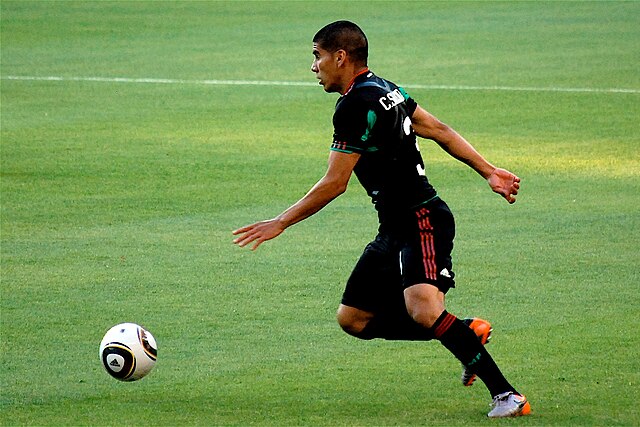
(352, 78)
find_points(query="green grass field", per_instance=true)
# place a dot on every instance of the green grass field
(118, 200)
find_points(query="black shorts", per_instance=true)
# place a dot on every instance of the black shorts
(417, 252)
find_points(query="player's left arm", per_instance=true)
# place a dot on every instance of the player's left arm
(501, 181)
(331, 185)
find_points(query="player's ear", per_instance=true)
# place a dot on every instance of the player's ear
(340, 56)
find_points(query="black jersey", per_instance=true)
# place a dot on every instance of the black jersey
(373, 118)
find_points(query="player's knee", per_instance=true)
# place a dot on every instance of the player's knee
(424, 316)
(351, 326)
(353, 322)
(355, 330)
(424, 304)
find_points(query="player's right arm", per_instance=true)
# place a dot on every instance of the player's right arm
(330, 186)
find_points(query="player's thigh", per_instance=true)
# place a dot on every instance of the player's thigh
(375, 279)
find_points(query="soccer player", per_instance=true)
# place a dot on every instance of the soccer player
(397, 288)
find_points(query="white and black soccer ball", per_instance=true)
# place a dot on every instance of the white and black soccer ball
(128, 352)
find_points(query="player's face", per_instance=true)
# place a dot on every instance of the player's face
(326, 69)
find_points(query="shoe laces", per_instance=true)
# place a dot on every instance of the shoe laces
(501, 399)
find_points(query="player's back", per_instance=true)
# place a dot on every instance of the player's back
(374, 119)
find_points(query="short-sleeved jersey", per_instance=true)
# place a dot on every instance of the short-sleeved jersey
(373, 119)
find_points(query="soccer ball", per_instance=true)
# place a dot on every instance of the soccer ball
(128, 352)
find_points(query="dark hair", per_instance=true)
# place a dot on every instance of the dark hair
(344, 35)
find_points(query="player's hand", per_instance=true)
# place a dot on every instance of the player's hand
(257, 233)
(504, 183)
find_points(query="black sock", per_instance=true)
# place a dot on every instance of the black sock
(463, 343)
(395, 326)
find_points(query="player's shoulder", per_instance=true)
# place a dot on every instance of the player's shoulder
(369, 87)
(365, 90)
(351, 102)
(374, 83)
(378, 93)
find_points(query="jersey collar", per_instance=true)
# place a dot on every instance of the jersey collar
(350, 86)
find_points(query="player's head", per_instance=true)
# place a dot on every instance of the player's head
(340, 50)
(347, 36)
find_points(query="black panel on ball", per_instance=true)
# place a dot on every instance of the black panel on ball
(129, 360)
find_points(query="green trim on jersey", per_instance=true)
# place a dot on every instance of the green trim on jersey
(371, 120)
(341, 150)
(404, 93)
(425, 202)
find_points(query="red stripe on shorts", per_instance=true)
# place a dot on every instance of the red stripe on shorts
(428, 248)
